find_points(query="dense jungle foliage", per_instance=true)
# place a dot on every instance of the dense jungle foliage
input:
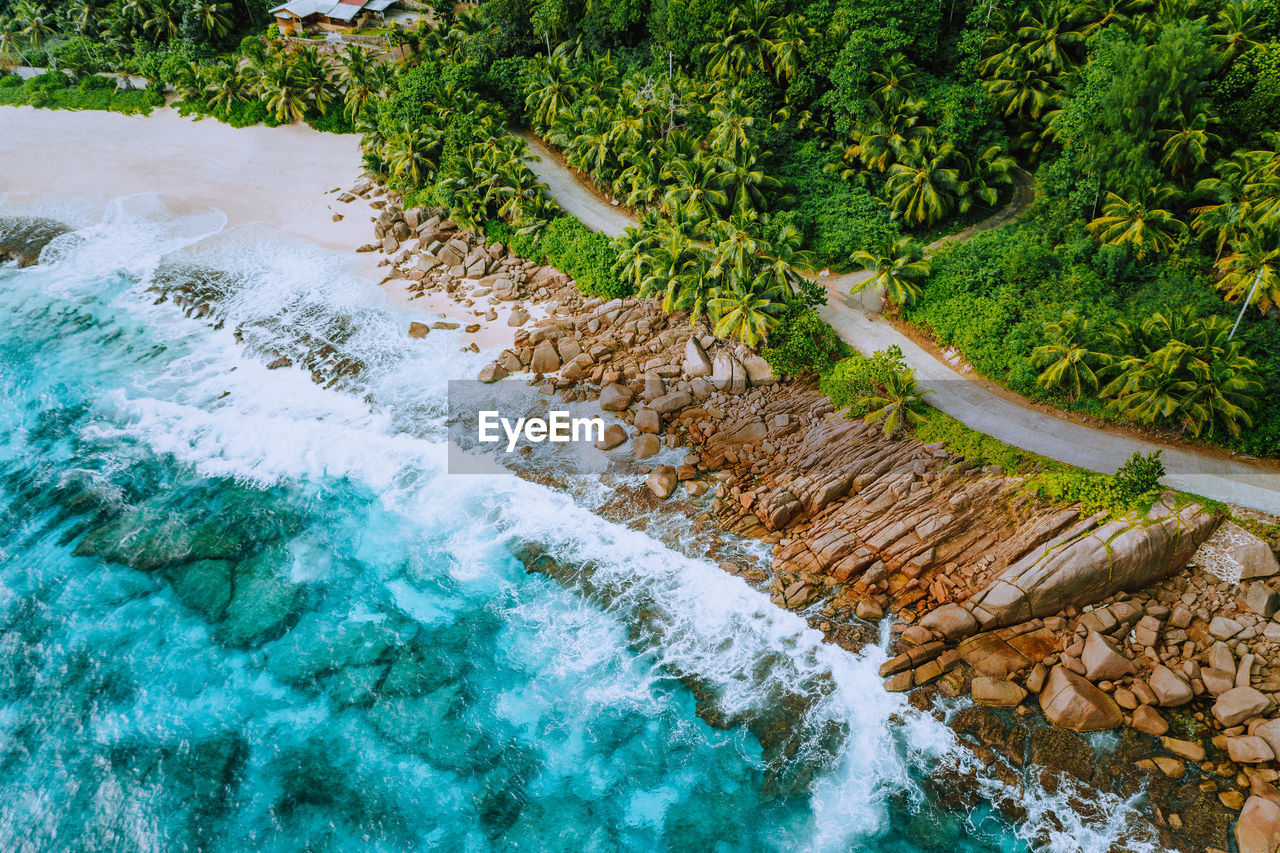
(759, 142)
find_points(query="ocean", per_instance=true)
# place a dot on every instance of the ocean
(241, 609)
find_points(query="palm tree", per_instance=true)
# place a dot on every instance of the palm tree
(1253, 265)
(894, 403)
(1049, 35)
(163, 21)
(312, 75)
(730, 133)
(892, 84)
(411, 154)
(226, 88)
(745, 313)
(10, 45)
(1238, 27)
(743, 44)
(1183, 371)
(693, 188)
(781, 260)
(986, 172)
(677, 269)
(1144, 225)
(789, 38)
(1070, 364)
(921, 188)
(1186, 146)
(550, 90)
(890, 129)
(84, 15)
(743, 183)
(33, 23)
(214, 17)
(283, 92)
(1023, 89)
(896, 268)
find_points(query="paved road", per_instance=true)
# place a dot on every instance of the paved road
(596, 213)
(1053, 437)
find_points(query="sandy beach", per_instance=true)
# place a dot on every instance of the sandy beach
(280, 175)
(289, 177)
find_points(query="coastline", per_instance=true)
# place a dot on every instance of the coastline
(284, 176)
(258, 192)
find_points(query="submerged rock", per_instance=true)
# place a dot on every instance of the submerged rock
(264, 602)
(22, 238)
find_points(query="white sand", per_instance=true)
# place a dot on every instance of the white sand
(277, 175)
(284, 176)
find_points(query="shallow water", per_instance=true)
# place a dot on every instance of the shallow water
(241, 610)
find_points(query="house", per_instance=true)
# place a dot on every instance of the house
(298, 16)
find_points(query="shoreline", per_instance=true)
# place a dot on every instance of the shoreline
(747, 437)
(735, 508)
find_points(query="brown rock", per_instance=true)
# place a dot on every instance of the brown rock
(615, 397)
(492, 373)
(1258, 828)
(662, 482)
(868, 609)
(418, 330)
(545, 358)
(1101, 661)
(1170, 688)
(1255, 556)
(1147, 719)
(1071, 702)
(645, 445)
(996, 692)
(900, 683)
(1249, 749)
(647, 420)
(1270, 732)
(1239, 704)
(1184, 748)
(672, 402)
(1122, 554)
(613, 436)
(952, 621)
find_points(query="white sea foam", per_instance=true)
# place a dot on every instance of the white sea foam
(220, 410)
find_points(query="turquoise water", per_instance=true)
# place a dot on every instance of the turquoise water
(240, 610)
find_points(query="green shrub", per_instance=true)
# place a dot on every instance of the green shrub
(859, 376)
(803, 343)
(524, 245)
(334, 121)
(974, 446)
(587, 255)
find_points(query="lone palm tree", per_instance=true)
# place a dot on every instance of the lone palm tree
(1186, 146)
(896, 268)
(893, 404)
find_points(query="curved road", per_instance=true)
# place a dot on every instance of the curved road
(1053, 437)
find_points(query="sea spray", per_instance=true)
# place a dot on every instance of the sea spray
(408, 683)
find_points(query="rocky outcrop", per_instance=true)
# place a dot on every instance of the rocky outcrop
(1083, 566)
(22, 238)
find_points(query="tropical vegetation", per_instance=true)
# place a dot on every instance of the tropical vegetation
(760, 142)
